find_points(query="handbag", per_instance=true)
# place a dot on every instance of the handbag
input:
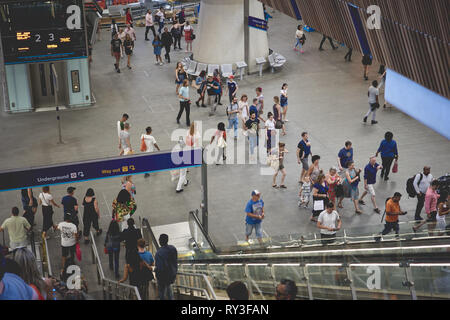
(143, 145)
(278, 124)
(105, 250)
(221, 142)
(339, 190)
(78, 251)
(192, 36)
(395, 167)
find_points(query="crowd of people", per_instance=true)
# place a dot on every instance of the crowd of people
(123, 40)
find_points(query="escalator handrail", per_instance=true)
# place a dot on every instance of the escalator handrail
(47, 256)
(152, 235)
(102, 274)
(200, 226)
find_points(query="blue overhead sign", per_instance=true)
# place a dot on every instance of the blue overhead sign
(257, 23)
(99, 169)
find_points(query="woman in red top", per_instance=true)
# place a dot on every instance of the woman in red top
(188, 31)
(129, 18)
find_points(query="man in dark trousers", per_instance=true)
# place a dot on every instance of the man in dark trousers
(130, 235)
(323, 40)
(166, 267)
(167, 41)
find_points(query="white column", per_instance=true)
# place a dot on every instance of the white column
(220, 33)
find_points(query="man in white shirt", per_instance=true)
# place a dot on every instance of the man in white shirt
(373, 101)
(69, 238)
(150, 143)
(160, 19)
(121, 123)
(421, 183)
(149, 24)
(124, 141)
(327, 224)
(129, 30)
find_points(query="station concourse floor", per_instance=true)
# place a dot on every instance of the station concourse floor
(327, 98)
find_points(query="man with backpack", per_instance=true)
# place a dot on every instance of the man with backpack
(392, 212)
(421, 183)
(166, 267)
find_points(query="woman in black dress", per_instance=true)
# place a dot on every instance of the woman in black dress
(91, 214)
(366, 61)
(128, 45)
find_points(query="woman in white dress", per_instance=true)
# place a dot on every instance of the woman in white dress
(243, 109)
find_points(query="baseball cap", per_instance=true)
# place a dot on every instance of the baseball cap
(70, 189)
(231, 77)
(255, 193)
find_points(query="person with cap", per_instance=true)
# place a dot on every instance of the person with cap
(254, 216)
(232, 88)
(70, 205)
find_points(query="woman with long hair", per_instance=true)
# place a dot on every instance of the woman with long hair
(350, 184)
(136, 271)
(277, 116)
(123, 207)
(128, 45)
(91, 214)
(188, 32)
(333, 180)
(180, 75)
(30, 273)
(320, 194)
(243, 109)
(157, 46)
(112, 245)
(284, 101)
(127, 184)
(46, 200)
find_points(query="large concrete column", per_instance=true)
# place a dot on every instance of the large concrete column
(220, 33)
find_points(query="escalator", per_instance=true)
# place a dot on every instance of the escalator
(413, 266)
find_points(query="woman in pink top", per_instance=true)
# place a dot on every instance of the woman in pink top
(431, 198)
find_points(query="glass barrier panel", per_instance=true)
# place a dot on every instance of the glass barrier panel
(329, 282)
(295, 273)
(218, 277)
(236, 272)
(380, 282)
(431, 282)
(261, 276)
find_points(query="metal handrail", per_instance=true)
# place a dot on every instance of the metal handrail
(205, 234)
(146, 223)
(101, 275)
(205, 279)
(45, 257)
(194, 289)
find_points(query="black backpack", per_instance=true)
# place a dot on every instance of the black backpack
(410, 186)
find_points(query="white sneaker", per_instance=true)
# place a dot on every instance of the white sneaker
(286, 120)
(161, 63)
(156, 63)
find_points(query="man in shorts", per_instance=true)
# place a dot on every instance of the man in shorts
(69, 238)
(116, 46)
(303, 152)
(255, 215)
(370, 178)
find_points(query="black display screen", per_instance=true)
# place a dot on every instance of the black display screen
(37, 31)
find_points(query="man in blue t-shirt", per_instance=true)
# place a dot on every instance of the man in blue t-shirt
(253, 108)
(345, 155)
(70, 205)
(303, 152)
(370, 178)
(232, 88)
(255, 215)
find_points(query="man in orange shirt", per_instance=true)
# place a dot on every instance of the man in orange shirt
(392, 212)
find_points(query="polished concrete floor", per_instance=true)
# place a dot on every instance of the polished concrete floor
(327, 98)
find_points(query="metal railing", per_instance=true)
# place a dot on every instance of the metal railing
(45, 258)
(367, 281)
(149, 236)
(112, 290)
(195, 282)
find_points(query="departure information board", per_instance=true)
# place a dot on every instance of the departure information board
(37, 31)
